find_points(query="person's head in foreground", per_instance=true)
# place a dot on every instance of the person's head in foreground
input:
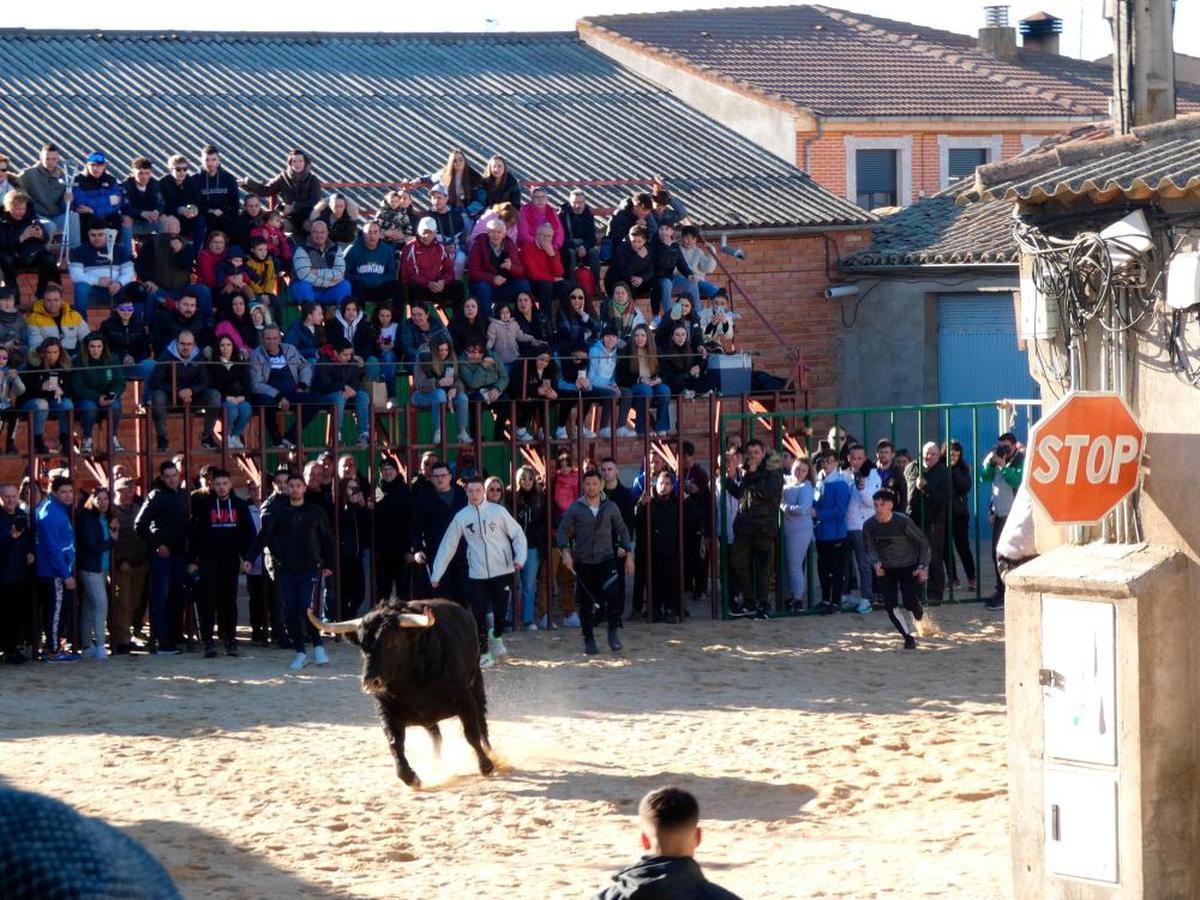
(670, 825)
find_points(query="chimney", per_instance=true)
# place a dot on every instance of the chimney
(1143, 62)
(1040, 31)
(996, 36)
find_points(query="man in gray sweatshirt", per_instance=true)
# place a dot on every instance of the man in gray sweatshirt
(899, 552)
(589, 529)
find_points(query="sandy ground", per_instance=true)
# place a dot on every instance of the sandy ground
(828, 763)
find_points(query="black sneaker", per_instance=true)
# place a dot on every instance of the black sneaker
(231, 649)
(167, 650)
(614, 643)
(736, 610)
(994, 604)
(210, 651)
(589, 646)
(826, 609)
(910, 643)
(760, 614)
(39, 446)
(162, 445)
(670, 618)
(209, 443)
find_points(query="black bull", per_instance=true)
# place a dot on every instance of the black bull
(421, 664)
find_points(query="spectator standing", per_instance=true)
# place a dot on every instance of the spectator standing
(129, 566)
(900, 555)
(54, 549)
(960, 517)
(94, 544)
(697, 513)
(220, 541)
(1002, 469)
(891, 471)
(354, 550)
(301, 546)
(670, 823)
(431, 517)
(297, 188)
(864, 483)
(831, 499)
(263, 620)
(45, 183)
(757, 526)
(496, 550)
(529, 509)
(930, 493)
(589, 531)
(17, 609)
(162, 523)
(392, 511)
(798, 530)
(657, 521)
(320, 269)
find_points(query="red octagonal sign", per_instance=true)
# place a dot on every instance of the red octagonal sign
(1084, 457)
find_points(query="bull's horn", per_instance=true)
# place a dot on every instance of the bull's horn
(348, 627)
(414, 620)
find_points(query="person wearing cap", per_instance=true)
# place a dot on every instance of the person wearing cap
(371, 268)
(97, 383)
(454, 228)
(96, 197)
(602, 373)
(98, 274)
(216, 191)
(427, 268)
(320, 269)
(337, 379)
(495, 269)
(143, 206)
(297, 188)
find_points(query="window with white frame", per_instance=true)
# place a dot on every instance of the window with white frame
(958, 157)
(879, 171)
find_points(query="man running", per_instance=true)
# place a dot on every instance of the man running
(900, 554)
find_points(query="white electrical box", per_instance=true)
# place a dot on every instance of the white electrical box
(1183, 279)
(1081, 823)
(1039, 315)
(1127, 238)
(1078, 678)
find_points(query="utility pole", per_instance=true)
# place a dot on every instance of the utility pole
(1143, 62)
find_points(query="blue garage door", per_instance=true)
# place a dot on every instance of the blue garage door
(978, 360)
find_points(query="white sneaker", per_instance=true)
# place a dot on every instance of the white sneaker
(604, 432)
(587, 433)
(437, 435)
(116, 445)
(531, 627)
(543, 623)
(864, 606)
(464, 437)
(560, 433)
(86, 447)
(571, 621)
(486, 661)
(299, 661)
(689, 394)
(626, 431)
(524, 436)
(363, 442)
(320, 657)
(233, 442)
(497, 648)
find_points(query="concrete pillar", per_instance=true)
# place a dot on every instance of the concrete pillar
(1104, 720)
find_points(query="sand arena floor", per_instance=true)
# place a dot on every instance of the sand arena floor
(828, 763)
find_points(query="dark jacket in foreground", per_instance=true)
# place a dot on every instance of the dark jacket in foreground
(220, 528)
(163, 518)
(299, 538)
(759, 494)
(663, 878)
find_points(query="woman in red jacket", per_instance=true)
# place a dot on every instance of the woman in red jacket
(544, 268)
(208, 260)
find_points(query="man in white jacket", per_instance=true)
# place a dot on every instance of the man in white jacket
(496, 550)
(864, 482)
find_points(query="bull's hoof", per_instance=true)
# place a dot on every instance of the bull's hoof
(486, 766)
(411, 779)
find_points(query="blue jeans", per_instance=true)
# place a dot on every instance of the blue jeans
(141, 371)
(436, 398)
(487, 293)
(529, 585)
(856, 552)
(87, 294)
(42, 409)
(168, 581)
(383, 368)
(302, 291)
(296, 596)
(660, 297)
(239, 416)
(362, 408)
(636, 397)
(90, 411)
(707, 289)
(159, 298)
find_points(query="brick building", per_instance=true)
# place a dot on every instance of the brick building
(878, 111)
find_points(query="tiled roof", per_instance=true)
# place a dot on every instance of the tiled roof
(1161, 160)
(937, 231)
(838, 63)
(374, 109)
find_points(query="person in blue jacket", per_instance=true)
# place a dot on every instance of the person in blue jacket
(830, 502)
(96, 196)
(54, 543)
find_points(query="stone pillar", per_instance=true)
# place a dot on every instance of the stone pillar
(1104, 724)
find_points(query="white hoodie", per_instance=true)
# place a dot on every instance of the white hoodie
(862, 503)
(494, 542)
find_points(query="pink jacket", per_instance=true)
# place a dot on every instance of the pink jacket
(530, 218)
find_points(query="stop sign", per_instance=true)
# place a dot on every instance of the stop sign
(1084, 457)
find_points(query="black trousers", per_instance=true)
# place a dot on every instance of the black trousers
(961, 542)
(259, 590)
(390, 293)
(997, 527)
(32, 255)
(449, 299)
(598, 584)
(752, 557)
(16, 616)
(391, 577)
(218, 596)
(354, 586)
(935, 530)
(831, 570)
(900, 581)
(489, 595)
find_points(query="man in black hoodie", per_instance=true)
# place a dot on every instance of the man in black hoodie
(670, 820)
(221, 535)
(162, 523)
(431, 517)
(393, 500)
(216, 192)
(17, 613)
